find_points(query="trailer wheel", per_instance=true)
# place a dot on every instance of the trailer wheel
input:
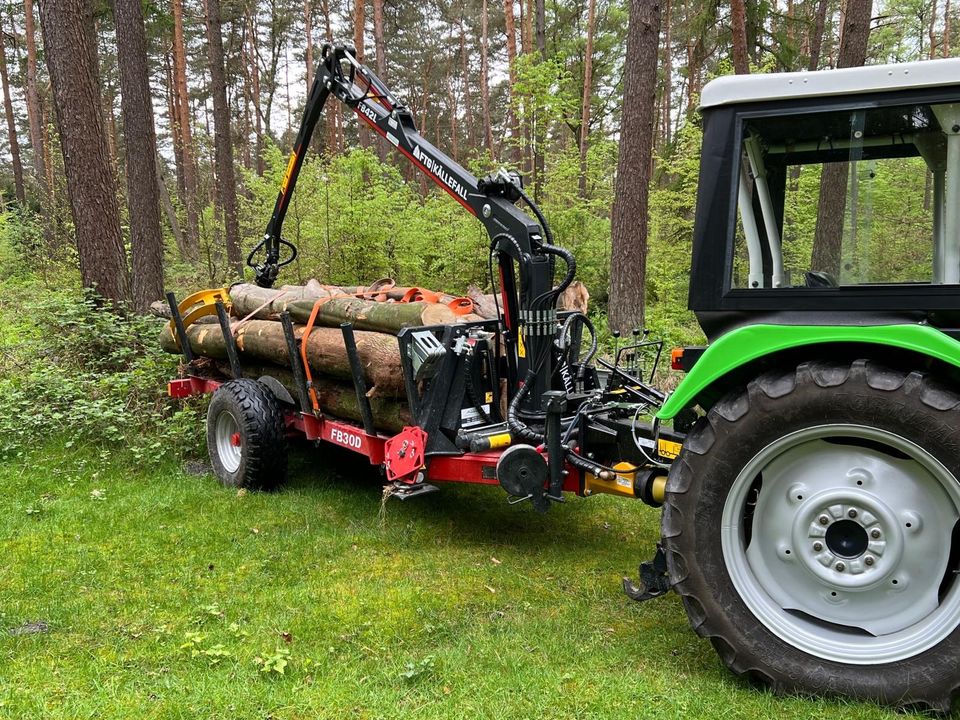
(811, 528)
(245, 436)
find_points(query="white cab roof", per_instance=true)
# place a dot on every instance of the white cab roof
(732, 89)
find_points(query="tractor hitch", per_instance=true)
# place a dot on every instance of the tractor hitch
(654, 580)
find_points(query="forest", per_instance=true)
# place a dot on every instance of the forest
(178, 117)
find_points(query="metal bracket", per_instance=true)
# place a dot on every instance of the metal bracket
(654, 580)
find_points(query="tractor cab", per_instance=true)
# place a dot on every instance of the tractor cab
(830, 198)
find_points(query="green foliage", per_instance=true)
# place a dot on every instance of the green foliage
(85, 374)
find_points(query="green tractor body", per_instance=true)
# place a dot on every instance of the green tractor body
(811, 522)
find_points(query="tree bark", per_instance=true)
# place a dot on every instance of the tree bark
(223, 141)
(945, 49)
(143, 197)
(70, 49)
(816, 39)
(11, 124)
(629, 215)
(511, 32)
(465, 79)
(485, 81)
(587, 96)
(380, 48)
(738, 29)
(167, 204)
(828, 238)
(33, 101)
(264, 340)
(254, 62)
(359, 25)
(183, 135)
(308, 31)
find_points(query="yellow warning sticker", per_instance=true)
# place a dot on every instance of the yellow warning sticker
(288, 171)
(521, 349)
(488, 397)
(668, 448)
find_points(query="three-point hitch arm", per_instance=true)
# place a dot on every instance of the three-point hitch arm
(523, 248)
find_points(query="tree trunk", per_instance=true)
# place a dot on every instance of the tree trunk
(333, 108)
(167, 204)
(816, 39)
(255, 94)
(666, 106)
(33, 102)
(828, 238)
(183, 135)
(511, 31)
(359, 25)
(11, 124)
(738, 29)
(485, 82)
(380, 48)
(264, 340)
(223, 141)
(308, 31)
(540, 22)
(465, 79)
(143, 198)
(587, 96)
(945, 50)
(629, 216)
(70, 49)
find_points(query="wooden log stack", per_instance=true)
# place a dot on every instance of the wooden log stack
(377, 312)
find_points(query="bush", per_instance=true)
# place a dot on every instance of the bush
(83, 374)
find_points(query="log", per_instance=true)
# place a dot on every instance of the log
(336, 399)
(264, 340)
(375, 316)
(268, 303)
(484, 304)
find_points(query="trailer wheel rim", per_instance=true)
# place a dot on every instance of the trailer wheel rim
(230, 452)
(838, 539)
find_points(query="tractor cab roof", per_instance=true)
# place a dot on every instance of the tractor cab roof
(737, 89)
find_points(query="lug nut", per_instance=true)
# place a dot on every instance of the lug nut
(852, 513)
(818, 546)
(840, 567)
(824, 520)
(875, 534)
(868, 561)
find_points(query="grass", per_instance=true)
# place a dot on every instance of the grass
(162, 594)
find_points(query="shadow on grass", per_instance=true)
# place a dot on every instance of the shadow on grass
(473, 514)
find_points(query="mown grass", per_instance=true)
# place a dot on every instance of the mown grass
(160, 590)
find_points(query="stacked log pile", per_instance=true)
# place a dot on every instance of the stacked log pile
(377, 312)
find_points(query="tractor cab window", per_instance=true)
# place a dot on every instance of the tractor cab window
(848, 198)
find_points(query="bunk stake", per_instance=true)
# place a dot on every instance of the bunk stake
(359, 384)
(296, 365)
(181, 330)
(229, 341)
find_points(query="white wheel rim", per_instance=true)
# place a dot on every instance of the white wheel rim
(847, 546)
(229, 449)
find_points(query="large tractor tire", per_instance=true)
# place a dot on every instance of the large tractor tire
(811, 528)
(245, 436)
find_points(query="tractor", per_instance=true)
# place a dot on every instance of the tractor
(806, 465)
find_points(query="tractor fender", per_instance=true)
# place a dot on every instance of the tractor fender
(752, 342)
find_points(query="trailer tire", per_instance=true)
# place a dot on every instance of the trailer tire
(245, 436)
(809, 579)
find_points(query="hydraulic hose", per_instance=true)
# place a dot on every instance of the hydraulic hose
(517, 426)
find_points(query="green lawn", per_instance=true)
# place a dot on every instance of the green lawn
(165, 595)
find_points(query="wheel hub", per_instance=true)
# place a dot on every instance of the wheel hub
(847, 537)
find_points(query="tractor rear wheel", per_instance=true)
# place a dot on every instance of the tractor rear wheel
(812, 528)
(245, 436)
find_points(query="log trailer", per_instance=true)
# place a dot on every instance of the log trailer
(806, 465)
